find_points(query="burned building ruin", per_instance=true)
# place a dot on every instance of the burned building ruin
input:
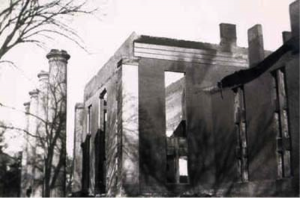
(166, 117)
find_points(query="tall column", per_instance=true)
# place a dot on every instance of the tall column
(41, 134)
(57, 103)
(43, 88)
(24, 177)
(43, 106)
(31, 140)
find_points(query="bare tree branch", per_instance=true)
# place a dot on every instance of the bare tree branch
(15, 109)
(18, 129)
(22, 21)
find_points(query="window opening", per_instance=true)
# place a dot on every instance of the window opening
(177, 150)
(102, 122)
(86, 164)
(89, 120)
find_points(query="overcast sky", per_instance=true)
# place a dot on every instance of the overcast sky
(196, 20)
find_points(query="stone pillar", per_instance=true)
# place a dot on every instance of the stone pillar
(41, 134)
(43, 82)
(57, 104)
(24, 177)
(77, 154)
(31, 140)
(256, 45)
(228, 37)
(43, 101)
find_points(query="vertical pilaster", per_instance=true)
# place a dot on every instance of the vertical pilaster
(77, 156)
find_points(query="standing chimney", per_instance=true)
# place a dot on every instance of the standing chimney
(286, 36)
(256, 51)
(294, 18)
(228, 37)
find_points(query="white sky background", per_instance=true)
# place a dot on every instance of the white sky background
(196, 20)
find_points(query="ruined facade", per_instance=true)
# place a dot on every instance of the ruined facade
(44, 154)
(224, 124)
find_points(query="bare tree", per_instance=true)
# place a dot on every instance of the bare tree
(33, 21)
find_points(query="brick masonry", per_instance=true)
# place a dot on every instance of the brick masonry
(135, 146)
